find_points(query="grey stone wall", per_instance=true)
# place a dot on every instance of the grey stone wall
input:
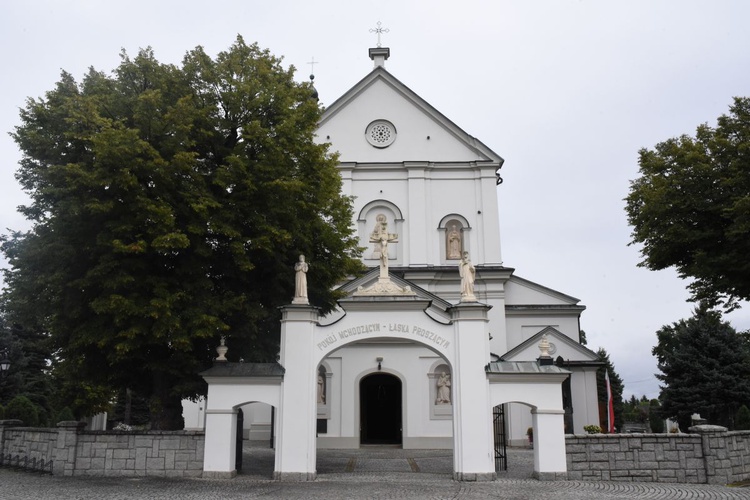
(107, 453)
(709, 454)
(33, 444)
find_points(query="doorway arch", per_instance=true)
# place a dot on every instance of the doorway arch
(380, 409)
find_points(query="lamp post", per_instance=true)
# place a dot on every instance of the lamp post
(4, 362)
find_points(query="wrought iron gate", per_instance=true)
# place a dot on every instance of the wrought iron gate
(238, 443)
(498, 423)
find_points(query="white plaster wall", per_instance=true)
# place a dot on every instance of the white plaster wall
(585, 399)
(346, 130)
(194, 414)
(521, 328)
(407, 361)
(256, 421)
(423, 203)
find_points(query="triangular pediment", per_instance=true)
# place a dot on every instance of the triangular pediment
(416, 298)
(520, 291)
(561, 346)
(421, 132)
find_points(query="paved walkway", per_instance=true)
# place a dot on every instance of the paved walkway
(376, 473)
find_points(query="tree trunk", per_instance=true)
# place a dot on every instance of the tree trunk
(165, 407)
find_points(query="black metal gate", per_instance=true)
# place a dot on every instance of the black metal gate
(238, 444)
(498, 423)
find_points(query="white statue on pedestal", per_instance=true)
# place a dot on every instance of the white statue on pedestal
(467, 271)
(300, 281)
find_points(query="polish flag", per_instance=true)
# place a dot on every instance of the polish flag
(610, 405)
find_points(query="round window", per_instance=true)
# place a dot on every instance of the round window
(380, 133)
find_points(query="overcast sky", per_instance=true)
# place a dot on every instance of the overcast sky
(566, 91)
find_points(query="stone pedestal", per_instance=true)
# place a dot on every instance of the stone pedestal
(296, 417)
(473, 453)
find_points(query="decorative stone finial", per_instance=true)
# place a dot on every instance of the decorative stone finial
(544, 346)
(222, 349)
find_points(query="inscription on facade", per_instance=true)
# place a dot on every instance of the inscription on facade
(398, 328)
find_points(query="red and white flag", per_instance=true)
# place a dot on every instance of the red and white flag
(610, 405)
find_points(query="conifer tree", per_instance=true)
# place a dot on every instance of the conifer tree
(705, 368)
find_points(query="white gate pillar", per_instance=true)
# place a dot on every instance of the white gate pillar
(220, 443)
(297, 413)
(549, 433)
(473, 453)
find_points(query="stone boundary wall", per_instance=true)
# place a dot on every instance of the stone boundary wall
(709, 454)
(35, 444)
(76, 452)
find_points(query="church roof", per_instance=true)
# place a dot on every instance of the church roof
(380, 75)
(229, 369)
(506, 367)
(422, 294)
(576, 351)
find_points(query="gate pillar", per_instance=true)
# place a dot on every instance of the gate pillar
(219, 450)
(549, 450)
(473, 451)
(296, 417)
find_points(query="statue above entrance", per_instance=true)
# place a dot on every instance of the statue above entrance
(382, 238)
(384, 286)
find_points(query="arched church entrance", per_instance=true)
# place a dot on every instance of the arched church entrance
(380, 409)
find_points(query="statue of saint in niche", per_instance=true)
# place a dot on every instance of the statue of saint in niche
(443, 389)
(321, 390)
(453, 243)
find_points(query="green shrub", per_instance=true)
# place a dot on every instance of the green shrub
(23, 409)
(654, 417)
(64, 415)
(742, 422)
(592, 429)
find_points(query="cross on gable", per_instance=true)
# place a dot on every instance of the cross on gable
(379, 30)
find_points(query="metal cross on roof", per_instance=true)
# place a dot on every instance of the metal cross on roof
(312, 65)
(379, 30)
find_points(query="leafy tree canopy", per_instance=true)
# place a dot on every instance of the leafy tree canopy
(690, 208)
(705, 368)
(168, 207)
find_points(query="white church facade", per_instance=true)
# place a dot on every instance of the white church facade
(438, 333)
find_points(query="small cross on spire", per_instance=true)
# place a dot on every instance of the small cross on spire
(379, 30)
(312, 64)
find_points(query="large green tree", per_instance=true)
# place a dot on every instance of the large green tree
(168, 207)
(705, 368)
(690, 208)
